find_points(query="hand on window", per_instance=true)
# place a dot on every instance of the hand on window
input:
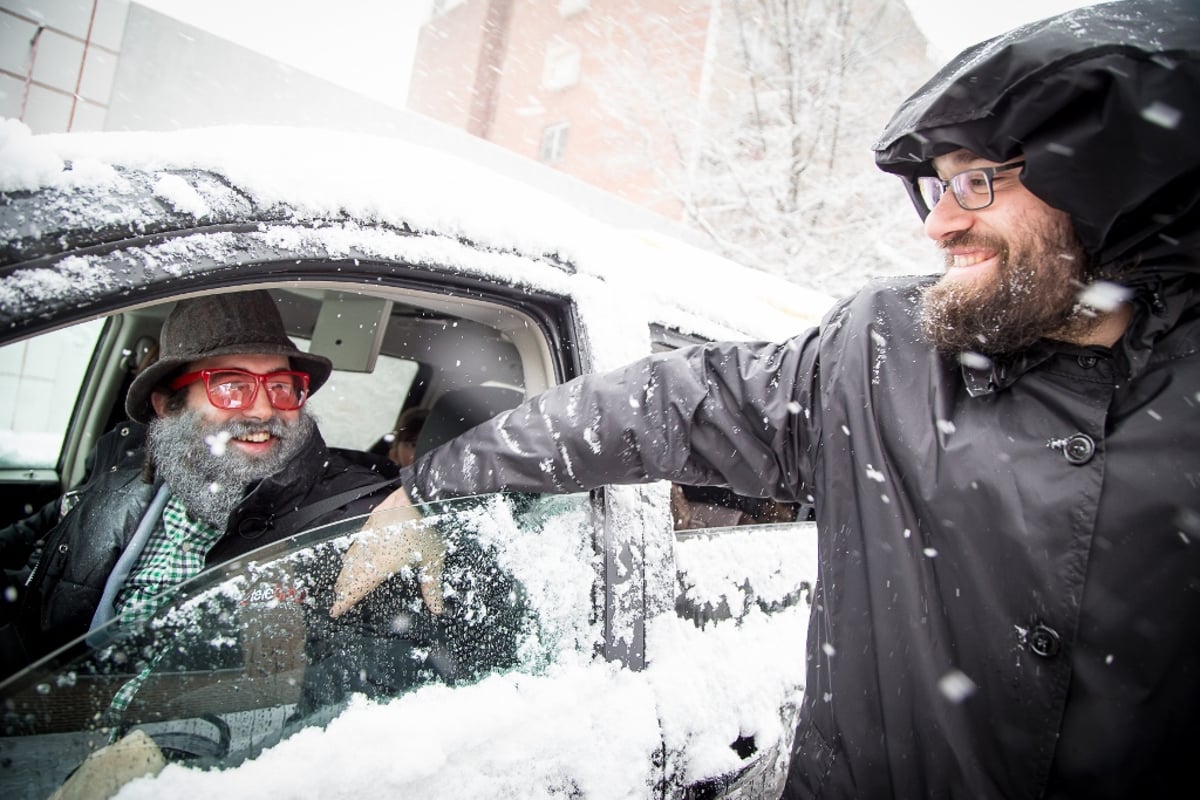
(395, 536)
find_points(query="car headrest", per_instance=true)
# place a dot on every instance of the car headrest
(459, 410)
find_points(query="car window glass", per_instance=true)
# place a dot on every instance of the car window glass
(356, 408)
(246, 654)
(39, 384)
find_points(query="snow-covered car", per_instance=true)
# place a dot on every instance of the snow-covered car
(630, 642)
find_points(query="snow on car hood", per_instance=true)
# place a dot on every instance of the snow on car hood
(325, 175)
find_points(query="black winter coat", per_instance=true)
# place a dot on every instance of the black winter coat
(1008, 602)
(82, 549)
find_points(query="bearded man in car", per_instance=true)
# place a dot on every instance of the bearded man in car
(231, 461)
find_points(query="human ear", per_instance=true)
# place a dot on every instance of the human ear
(159, 401)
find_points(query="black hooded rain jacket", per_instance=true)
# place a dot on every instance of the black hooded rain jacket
(1008, 603)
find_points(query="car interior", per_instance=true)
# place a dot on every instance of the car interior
(392, 350)
(459, 359)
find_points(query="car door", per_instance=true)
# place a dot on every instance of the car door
(246, 655)
(738, 561)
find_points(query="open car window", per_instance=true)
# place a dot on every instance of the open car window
(393, 350)
(695, 508)
(44, 375)
(246, 654)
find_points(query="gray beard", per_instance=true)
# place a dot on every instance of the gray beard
(208, 478)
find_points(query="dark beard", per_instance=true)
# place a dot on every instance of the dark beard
(1033, 296)
(208, 478)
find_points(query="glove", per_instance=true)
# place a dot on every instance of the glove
(395, 536)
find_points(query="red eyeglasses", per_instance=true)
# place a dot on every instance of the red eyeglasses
(236, 388)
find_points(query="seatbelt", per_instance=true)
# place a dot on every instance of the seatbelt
(301, 517)
(116, 579)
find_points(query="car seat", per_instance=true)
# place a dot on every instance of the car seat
(459, 410)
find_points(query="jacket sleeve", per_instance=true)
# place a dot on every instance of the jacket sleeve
(19, 540)
(724, 414)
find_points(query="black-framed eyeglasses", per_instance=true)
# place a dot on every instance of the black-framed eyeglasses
(236, 388)
(973, 188)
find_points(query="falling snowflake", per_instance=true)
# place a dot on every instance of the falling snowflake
(1104, 296)
(217, 443)
(1163, 115)
(956, 686)
(974, 360)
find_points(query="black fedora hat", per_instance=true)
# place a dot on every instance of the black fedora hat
(241, 323)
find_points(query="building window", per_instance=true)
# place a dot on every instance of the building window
(562, 65)
(569, 8)
(554, 142)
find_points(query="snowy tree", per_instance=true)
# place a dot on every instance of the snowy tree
(767, 149)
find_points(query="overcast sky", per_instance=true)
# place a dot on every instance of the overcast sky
(367, 45)
(951, 25)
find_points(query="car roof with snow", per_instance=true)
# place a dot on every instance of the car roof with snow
(152, 184)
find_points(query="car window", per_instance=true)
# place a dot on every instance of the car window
(246, 654)
(391, 350)
(39, 382)
(703, 507)
(356, 408)
(394, 351)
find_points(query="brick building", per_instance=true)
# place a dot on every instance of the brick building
(612, 91)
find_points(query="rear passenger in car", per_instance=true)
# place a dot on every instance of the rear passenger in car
(403, 447)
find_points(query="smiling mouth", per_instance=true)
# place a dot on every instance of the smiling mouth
(255, 438)
(968, 259)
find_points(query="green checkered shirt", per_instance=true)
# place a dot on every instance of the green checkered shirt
(175, 551)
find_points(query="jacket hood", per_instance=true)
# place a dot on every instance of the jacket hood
(1103, 103)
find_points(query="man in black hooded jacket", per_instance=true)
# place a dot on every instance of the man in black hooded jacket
(1005, 460)
(230, 461)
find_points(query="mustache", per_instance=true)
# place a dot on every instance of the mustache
(969, 239)
(239, 428)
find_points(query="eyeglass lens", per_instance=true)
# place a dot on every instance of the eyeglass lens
(286, 391)
(972, 189)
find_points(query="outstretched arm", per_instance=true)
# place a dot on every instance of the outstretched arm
(730, 414)
(735, 415)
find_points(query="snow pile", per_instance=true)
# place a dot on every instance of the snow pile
(24, 163)
(589, 730)
(728, 681)
(714, 569)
